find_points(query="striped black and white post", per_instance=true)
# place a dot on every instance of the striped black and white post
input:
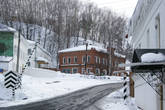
(11, 79)
(125, 87)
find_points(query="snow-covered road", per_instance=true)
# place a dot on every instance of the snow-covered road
(78, 100)
(39, 84)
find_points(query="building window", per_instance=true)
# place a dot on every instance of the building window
(69, 60)
(157, 29)
(29, 51)
(68, 70)
(63, 70)
(104, 72)
(97, 71)
(75, 59)
(75, 70)
(64, 60)
(88, 60)
(96, 59)
(103, 61)
(83, 70)
(84, 59)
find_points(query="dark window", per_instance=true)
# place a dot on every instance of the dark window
(75, 59)
(64, 70)
(75, 70)
(69, 60)
(68, 71)
(84, 59)
(88, 60)
(96, 59)
(64, 60)
(29, 51)
(97, 71)
(103, 61)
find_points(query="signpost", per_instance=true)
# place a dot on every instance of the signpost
(11, 79)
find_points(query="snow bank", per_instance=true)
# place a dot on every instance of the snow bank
(5, 58)
(115, 101)
(152, 57)
(6, 28)
(40, 84)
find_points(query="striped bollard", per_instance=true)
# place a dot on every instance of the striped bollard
(125, 87)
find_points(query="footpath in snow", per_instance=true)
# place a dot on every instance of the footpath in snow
(115, 101)
(40, 84)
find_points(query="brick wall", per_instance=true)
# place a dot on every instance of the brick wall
(92, 65)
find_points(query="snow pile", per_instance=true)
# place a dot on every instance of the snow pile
(119, 55)
(55, 84)
(152, 57)
(83, 48)
(115, 101)
(6, 28)
(5, 58)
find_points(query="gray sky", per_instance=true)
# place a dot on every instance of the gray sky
(122, 7)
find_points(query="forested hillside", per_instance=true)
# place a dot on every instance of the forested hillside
(55, 22)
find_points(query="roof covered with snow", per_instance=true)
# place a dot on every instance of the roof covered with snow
(83, 48)
(4, 28)
(42, 59)
(119, 55)
(5, 59)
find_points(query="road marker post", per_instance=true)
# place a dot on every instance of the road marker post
(11, 80)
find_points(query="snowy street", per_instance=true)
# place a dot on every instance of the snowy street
(75, 101)
(41, 84)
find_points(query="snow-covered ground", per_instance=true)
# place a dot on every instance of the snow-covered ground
(39, 84)
(115, 101)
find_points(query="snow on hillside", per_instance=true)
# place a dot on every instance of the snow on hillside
(38, 88)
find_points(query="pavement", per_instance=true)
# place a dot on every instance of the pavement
(80, 100)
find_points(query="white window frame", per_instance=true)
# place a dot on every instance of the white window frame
(98, 70)
(68, 60)
(96, 59)
(75, 57)
(64, 62)
(103, 61)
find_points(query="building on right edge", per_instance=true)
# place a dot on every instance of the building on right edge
(147, 30)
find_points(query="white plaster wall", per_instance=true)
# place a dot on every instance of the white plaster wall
(24, 46)
(146, 97)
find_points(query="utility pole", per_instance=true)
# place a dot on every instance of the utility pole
(18, 50)
(86, 58)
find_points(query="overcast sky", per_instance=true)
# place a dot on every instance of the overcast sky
(122, 7)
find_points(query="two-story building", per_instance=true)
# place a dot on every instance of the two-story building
(73, 60)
